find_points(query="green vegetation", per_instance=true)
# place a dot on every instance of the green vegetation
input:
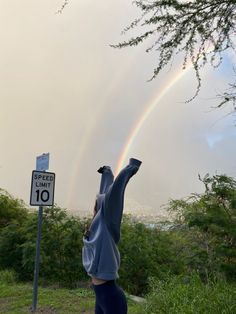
(191, 296)
(16, 298)
(146, 253)
(188, 268)
(208, 224)
(198, 31)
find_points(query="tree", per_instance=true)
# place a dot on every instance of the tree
(61, 247)
(146, 252)
(63, 5)
(13, 215)
(12, 210)
(200, 29)
(211, 219)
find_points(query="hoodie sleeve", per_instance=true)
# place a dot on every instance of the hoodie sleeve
(114, 198)
(106, 179)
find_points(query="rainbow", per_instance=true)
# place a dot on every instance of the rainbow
(149, 108)
(92, 123)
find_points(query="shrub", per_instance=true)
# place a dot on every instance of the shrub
(8, 276)
(146, 252)
(189, 295)
(12, 210)
(61, 248)
(209, 220)
(11, 240)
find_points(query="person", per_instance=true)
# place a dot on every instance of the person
(100, 254)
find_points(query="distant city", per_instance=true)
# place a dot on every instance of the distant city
(146, 216)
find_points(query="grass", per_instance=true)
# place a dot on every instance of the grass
(175, 295)
(16, 298)
(191, 296)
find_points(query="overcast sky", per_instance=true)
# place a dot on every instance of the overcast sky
(65, 91)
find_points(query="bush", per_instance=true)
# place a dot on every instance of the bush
(11, 241)
(202, 238)
(61, 248)
(8, 276)
(12, 210)
(209, 220)
(189, 295)
(146, 252)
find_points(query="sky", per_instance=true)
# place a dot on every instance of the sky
(65, 91)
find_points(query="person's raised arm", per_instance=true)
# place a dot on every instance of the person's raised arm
(114, 198)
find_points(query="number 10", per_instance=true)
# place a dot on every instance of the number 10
(42, 195)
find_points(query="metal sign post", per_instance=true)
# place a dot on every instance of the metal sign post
(42, 194)
(37, 258)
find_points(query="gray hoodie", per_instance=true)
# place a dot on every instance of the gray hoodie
(101, 258)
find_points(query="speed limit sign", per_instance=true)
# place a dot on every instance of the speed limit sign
(42, 188)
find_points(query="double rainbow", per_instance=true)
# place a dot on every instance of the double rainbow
(149, 108)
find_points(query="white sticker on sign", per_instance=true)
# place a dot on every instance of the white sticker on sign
(42, 188)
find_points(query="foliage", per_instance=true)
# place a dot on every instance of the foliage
(201, 238)
(8, 276)
(12, 210)
(64, 4)
(61, 243)
(211, 221)
(145, 252)
(188, 295)
(13, 214)
(61, 247)
(200, 29)
(11, 240)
